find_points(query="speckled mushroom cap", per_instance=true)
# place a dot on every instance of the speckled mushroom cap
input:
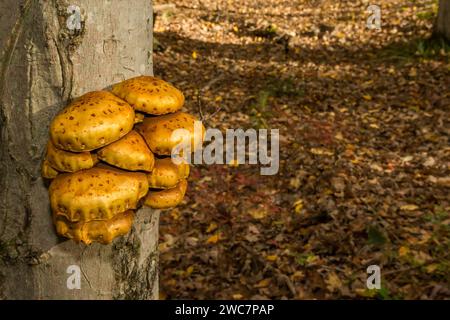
(157, 132)
(102, 231)
(96, 194)
(166, 198)
(166, 174)
(91, 121)
(47, 171)
(67, 161)
(130, 153)
(150, 95)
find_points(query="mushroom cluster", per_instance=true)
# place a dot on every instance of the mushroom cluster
(109, 153)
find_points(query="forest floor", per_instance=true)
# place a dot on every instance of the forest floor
(364, 175)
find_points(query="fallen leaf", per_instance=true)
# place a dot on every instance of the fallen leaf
(403, 251)
(257, 213)
(263, 283)
(429, 162)
(214, 238)
(175, 214)
(421, 257)
(333, 282)
(409, 207)
(189, 271)
(298, 206)
(271, 258)
(212, 226)
(321, 151)
(339, 136)
(431, 267)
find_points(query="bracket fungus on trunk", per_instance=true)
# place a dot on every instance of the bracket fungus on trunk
(102, 170)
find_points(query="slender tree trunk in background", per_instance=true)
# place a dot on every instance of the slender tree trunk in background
(442, 27)
(44, 63)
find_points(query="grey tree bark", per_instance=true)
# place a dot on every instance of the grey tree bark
(442, 27)
(44, 63)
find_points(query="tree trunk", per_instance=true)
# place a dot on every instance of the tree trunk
(442, 27)
(46, 60)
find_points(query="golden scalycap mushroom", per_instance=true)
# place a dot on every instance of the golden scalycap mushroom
(131, 153)
(166, 174)
(166, 198)
(150, 95)
(158, 132)
(102, 231)
(97, 193)
(47, 171)
(91, 121)
(67, 161)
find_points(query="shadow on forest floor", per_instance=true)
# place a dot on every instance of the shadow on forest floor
(363, 180)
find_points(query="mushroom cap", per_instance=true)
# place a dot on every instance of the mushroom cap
(150, 95)
(157, 132)
(91, 121)
(166, 198)
(47, 171)
(96, 194)
(67, 161)
(166, 174)
(130, 153)
(103, 231)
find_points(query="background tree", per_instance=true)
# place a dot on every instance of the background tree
(443, 19)
(48, 56)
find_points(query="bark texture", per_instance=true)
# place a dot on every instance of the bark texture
(44, 64)
(443, 20)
